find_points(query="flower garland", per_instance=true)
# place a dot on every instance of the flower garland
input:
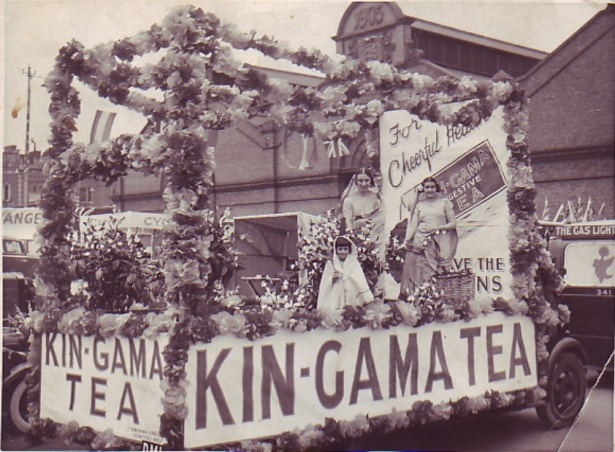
(357, 93)
(254, 321)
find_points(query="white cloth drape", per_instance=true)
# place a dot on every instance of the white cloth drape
(350, 288)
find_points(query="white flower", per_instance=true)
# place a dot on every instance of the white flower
(501, 90)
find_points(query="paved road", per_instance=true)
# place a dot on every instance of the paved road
(516, 432)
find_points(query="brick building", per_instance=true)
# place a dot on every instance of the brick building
(572, 118)
(264, 169)
(23, 178)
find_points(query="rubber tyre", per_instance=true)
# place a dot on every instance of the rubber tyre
(565, 392)
(19, 408)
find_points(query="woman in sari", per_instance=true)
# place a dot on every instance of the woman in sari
(363, 210)
(431, 237)
(343, 281)
(362, 204)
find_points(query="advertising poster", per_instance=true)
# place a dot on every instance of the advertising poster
(240, 390)
(104, 383)
(469, 165)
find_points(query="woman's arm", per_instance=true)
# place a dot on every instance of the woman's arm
(347, 211)
(411, 229)
(449, 213)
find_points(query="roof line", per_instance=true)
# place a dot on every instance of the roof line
(538, 53)
(551, 55)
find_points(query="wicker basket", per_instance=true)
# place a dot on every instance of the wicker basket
(456, 288)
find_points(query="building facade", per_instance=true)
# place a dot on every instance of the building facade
(23, 178)
(263, 168)
(572, 119)
(381, 31)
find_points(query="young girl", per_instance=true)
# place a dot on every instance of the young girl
(343, 281)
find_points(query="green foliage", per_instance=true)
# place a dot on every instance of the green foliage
(116, 269)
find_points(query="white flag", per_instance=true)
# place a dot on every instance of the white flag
(101, 127)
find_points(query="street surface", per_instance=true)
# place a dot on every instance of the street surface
(515, 432)
(519, 431)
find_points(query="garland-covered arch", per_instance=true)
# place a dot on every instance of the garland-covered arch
(196, 45)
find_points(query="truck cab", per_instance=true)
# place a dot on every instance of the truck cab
(584, 255)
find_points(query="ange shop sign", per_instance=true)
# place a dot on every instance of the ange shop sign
(243, 390)
(104, 383)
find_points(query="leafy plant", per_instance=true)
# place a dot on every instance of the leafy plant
(116, 269)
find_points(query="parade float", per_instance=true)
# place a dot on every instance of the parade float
(163, 352)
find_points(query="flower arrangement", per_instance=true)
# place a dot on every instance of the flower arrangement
(116, 270)
(197, 256)
(315, 249)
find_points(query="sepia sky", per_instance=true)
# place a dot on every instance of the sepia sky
(34, 31)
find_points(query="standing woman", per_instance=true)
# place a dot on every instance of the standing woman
(362, 205)
(431, 237)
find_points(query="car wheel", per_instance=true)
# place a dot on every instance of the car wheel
(19, 408)
(565, 392)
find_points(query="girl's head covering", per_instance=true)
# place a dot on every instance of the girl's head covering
(344, 240)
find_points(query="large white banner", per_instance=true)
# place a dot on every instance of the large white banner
(242, 390)
(470, 167)
(104, 383)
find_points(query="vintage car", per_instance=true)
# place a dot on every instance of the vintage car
(16, 293)
(583, 254)
(17, 258)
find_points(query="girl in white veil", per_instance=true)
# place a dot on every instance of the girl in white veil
(343, 281)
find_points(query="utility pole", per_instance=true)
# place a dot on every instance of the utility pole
(30, 75)
(26, 173)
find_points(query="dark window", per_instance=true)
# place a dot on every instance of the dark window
(85, 194)
(466, 53)
(491, 62)
(505, 63)
(437, 49)
(13, 247)
(451, 54)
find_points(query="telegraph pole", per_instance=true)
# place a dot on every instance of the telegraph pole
(30, 75)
